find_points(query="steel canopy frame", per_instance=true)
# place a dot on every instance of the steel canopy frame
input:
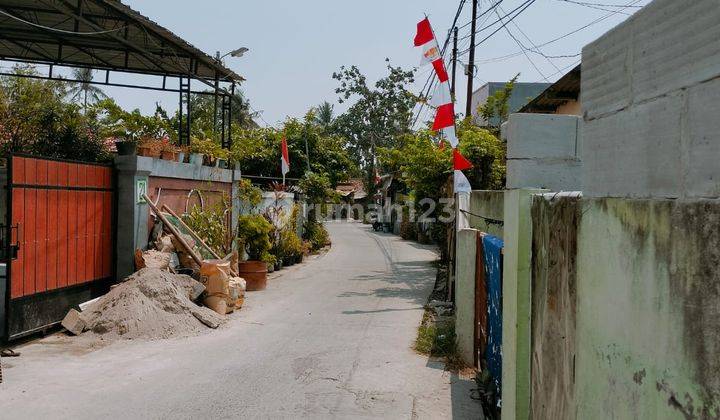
(106, 35)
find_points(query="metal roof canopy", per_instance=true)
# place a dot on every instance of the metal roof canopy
(567, 88)
(108, 35)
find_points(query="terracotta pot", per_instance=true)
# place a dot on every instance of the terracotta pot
(165, 155)
(254, 273)
(148, 152)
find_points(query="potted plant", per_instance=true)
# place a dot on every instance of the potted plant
(125, 146)
(149, 147)
(167, 150)
(198, 148)
(253, 235)
(182, 153)
(221, 158)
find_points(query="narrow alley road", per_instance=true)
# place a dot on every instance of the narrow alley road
(329, 339)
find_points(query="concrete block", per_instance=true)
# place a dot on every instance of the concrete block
(550, 174)
(606, 81)
(465, 293)
(702, 140)
(542, 136)
(635, 153)
(674, 45)
(666, 46)
(73, 323)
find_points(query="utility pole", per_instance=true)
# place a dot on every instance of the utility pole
(454, 63)
(471, 61)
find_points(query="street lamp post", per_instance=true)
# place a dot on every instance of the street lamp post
(237, 53)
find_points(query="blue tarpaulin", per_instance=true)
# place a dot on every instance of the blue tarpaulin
(493, 274)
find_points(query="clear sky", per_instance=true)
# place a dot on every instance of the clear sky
(296, 45)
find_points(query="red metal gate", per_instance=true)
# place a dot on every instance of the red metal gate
(60, 218)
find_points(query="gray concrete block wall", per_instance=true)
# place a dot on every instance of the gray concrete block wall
(650, 104)
(543, 152)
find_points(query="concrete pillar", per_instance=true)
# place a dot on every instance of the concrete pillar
(132, 226)
(465, 293)
(517, 276)
(463, 205)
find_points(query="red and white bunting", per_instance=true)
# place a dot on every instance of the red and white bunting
(460, 163)
(284, 158)
(444, 121)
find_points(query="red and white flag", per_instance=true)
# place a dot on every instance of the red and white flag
(460, 163)
(284, 158)
(442, 100)
(444, 121)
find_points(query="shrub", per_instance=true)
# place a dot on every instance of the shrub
(210, 225)
(253, 235)
(317, 235)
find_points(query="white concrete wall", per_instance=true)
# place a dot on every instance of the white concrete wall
(543, 151)
(651, 103)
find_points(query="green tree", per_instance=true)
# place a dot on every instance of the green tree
(497, 105)
(84, 89)
(380, 115)
(258, 150)
(35, 119)
(324, 115)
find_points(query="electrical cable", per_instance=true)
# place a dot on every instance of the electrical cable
(524, 49)
(526, 5)
(590, 6)
(561, 37)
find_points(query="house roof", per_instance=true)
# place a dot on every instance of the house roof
(567, 88)
(100, 34)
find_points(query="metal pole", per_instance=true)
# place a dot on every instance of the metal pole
(471, 61)
(307, 154)
(454, 62)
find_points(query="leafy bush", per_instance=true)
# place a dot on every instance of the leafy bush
(253, 235)
(317, 235)
(210, 225)
(249, 196)
(290, 243)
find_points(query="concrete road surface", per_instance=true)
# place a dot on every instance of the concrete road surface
(331, 338)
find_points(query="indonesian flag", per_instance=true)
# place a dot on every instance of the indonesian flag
(444, 121)
(284, 158)
(460, 163)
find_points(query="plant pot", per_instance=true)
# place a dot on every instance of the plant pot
(278, 265)
(270, 268)
(196, 159)
(288, 261)
(165, 155)
(181, 157)
(299, 258)
(208, 160)
(126, 148)
(148, 152)
(221, 163)
(254, 273)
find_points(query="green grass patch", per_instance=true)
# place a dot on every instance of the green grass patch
(436, 340)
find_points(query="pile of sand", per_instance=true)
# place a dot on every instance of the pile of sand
(150, 304)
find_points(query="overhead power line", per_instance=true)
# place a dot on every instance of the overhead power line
(524, 50)
(591, 6)
(505, 23)
(522, 6)
(561, 37)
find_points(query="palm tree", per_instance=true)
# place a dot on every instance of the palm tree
(84, 89)
(324, 116)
